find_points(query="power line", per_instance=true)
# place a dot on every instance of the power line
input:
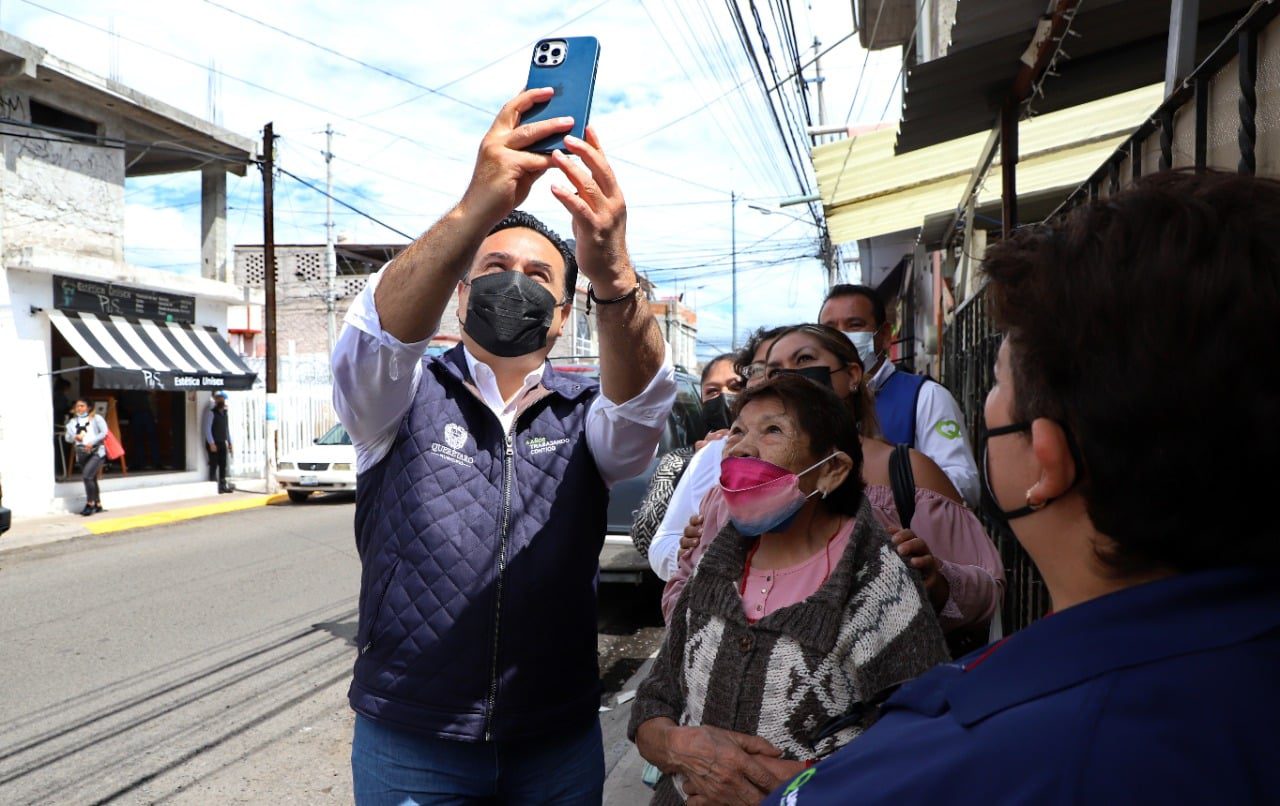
(487, 65)
(350, 207)
(331, 51)
(730, 91)
(424, 87)
(244, 81)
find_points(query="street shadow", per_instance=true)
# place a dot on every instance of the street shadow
(343, 630)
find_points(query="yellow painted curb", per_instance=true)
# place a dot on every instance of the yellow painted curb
(108, 525)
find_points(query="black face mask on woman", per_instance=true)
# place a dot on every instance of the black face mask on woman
(508, 314)
(818, 374)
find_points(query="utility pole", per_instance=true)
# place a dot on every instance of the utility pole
(330, 259)
(818, 80)
(825, 247)
(269, 287)
(733, 229)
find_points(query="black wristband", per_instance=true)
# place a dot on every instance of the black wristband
(591, 297)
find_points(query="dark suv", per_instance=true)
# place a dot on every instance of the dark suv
(619, 560)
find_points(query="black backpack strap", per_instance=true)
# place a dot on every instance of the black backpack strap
(903, 482)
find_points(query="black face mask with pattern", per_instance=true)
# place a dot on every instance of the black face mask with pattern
(508, 314)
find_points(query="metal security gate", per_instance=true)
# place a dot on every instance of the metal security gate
(1212, 121)
(968, 369)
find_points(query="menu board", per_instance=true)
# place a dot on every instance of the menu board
(71, 294)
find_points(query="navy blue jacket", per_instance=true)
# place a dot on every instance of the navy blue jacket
(1161, 693)
(479, 551)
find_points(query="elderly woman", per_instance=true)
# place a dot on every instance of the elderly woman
(960, 566)
(1130, 325)
(800, 611)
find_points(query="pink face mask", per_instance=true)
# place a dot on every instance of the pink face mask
(761, 496)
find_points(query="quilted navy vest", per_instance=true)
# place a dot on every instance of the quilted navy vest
(479, 551)
(896, 407)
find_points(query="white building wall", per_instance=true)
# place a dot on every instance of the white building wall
(27, 464)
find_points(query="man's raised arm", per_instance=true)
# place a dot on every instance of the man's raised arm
(376, 362)
(637, 384)
(412, 296)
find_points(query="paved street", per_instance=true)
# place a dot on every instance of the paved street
(204, 662)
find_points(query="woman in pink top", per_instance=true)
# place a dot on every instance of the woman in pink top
(961, 568)
(801, 616)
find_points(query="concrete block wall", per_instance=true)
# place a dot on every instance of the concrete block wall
(62, 196)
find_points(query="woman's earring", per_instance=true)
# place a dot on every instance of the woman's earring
(1032, 505)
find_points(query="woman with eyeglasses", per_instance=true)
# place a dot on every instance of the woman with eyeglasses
(699, 475)
(800, 618)
(944, 541)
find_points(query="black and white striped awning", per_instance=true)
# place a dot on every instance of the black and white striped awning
(128, 353)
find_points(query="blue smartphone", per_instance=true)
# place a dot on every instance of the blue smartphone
(567, 65)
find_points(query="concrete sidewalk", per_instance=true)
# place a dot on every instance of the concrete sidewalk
(28, 532)
(623, 765)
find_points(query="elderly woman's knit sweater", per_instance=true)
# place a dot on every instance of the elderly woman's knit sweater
(868, 628)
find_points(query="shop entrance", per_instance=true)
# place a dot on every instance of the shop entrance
(151, 424)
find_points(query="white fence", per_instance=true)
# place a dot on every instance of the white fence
(302, 414)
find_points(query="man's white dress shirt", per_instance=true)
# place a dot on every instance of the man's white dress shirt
(376, 376)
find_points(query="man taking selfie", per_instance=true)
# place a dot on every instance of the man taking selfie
(484, 482)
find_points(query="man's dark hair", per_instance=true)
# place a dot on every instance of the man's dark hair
(519, 218)
(828, 424)
(1146, 324)
(747, 353)
(851, 290)
(706, 369)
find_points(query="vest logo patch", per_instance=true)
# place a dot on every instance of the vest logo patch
(537, 445)
(948, 429)
(455, 436)
(445, 452)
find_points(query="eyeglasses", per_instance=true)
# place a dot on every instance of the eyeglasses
(752, 370)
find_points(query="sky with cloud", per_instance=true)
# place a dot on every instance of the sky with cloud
(677, 107)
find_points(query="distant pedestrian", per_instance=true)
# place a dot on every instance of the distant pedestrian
(87, 432)
(217, 439)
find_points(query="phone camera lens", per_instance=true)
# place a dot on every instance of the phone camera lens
(555, 52)
(542, 60)
(543, 46)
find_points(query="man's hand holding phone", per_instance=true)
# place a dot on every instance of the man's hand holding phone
(599, 216)
(504, 172)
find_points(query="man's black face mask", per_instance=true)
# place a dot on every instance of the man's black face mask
(508, 314)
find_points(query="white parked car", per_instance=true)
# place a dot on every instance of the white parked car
(329, 465)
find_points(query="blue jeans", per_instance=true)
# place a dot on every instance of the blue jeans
(392, 767)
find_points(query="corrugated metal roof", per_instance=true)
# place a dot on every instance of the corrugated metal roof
(1120, 47)
(882, 193)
